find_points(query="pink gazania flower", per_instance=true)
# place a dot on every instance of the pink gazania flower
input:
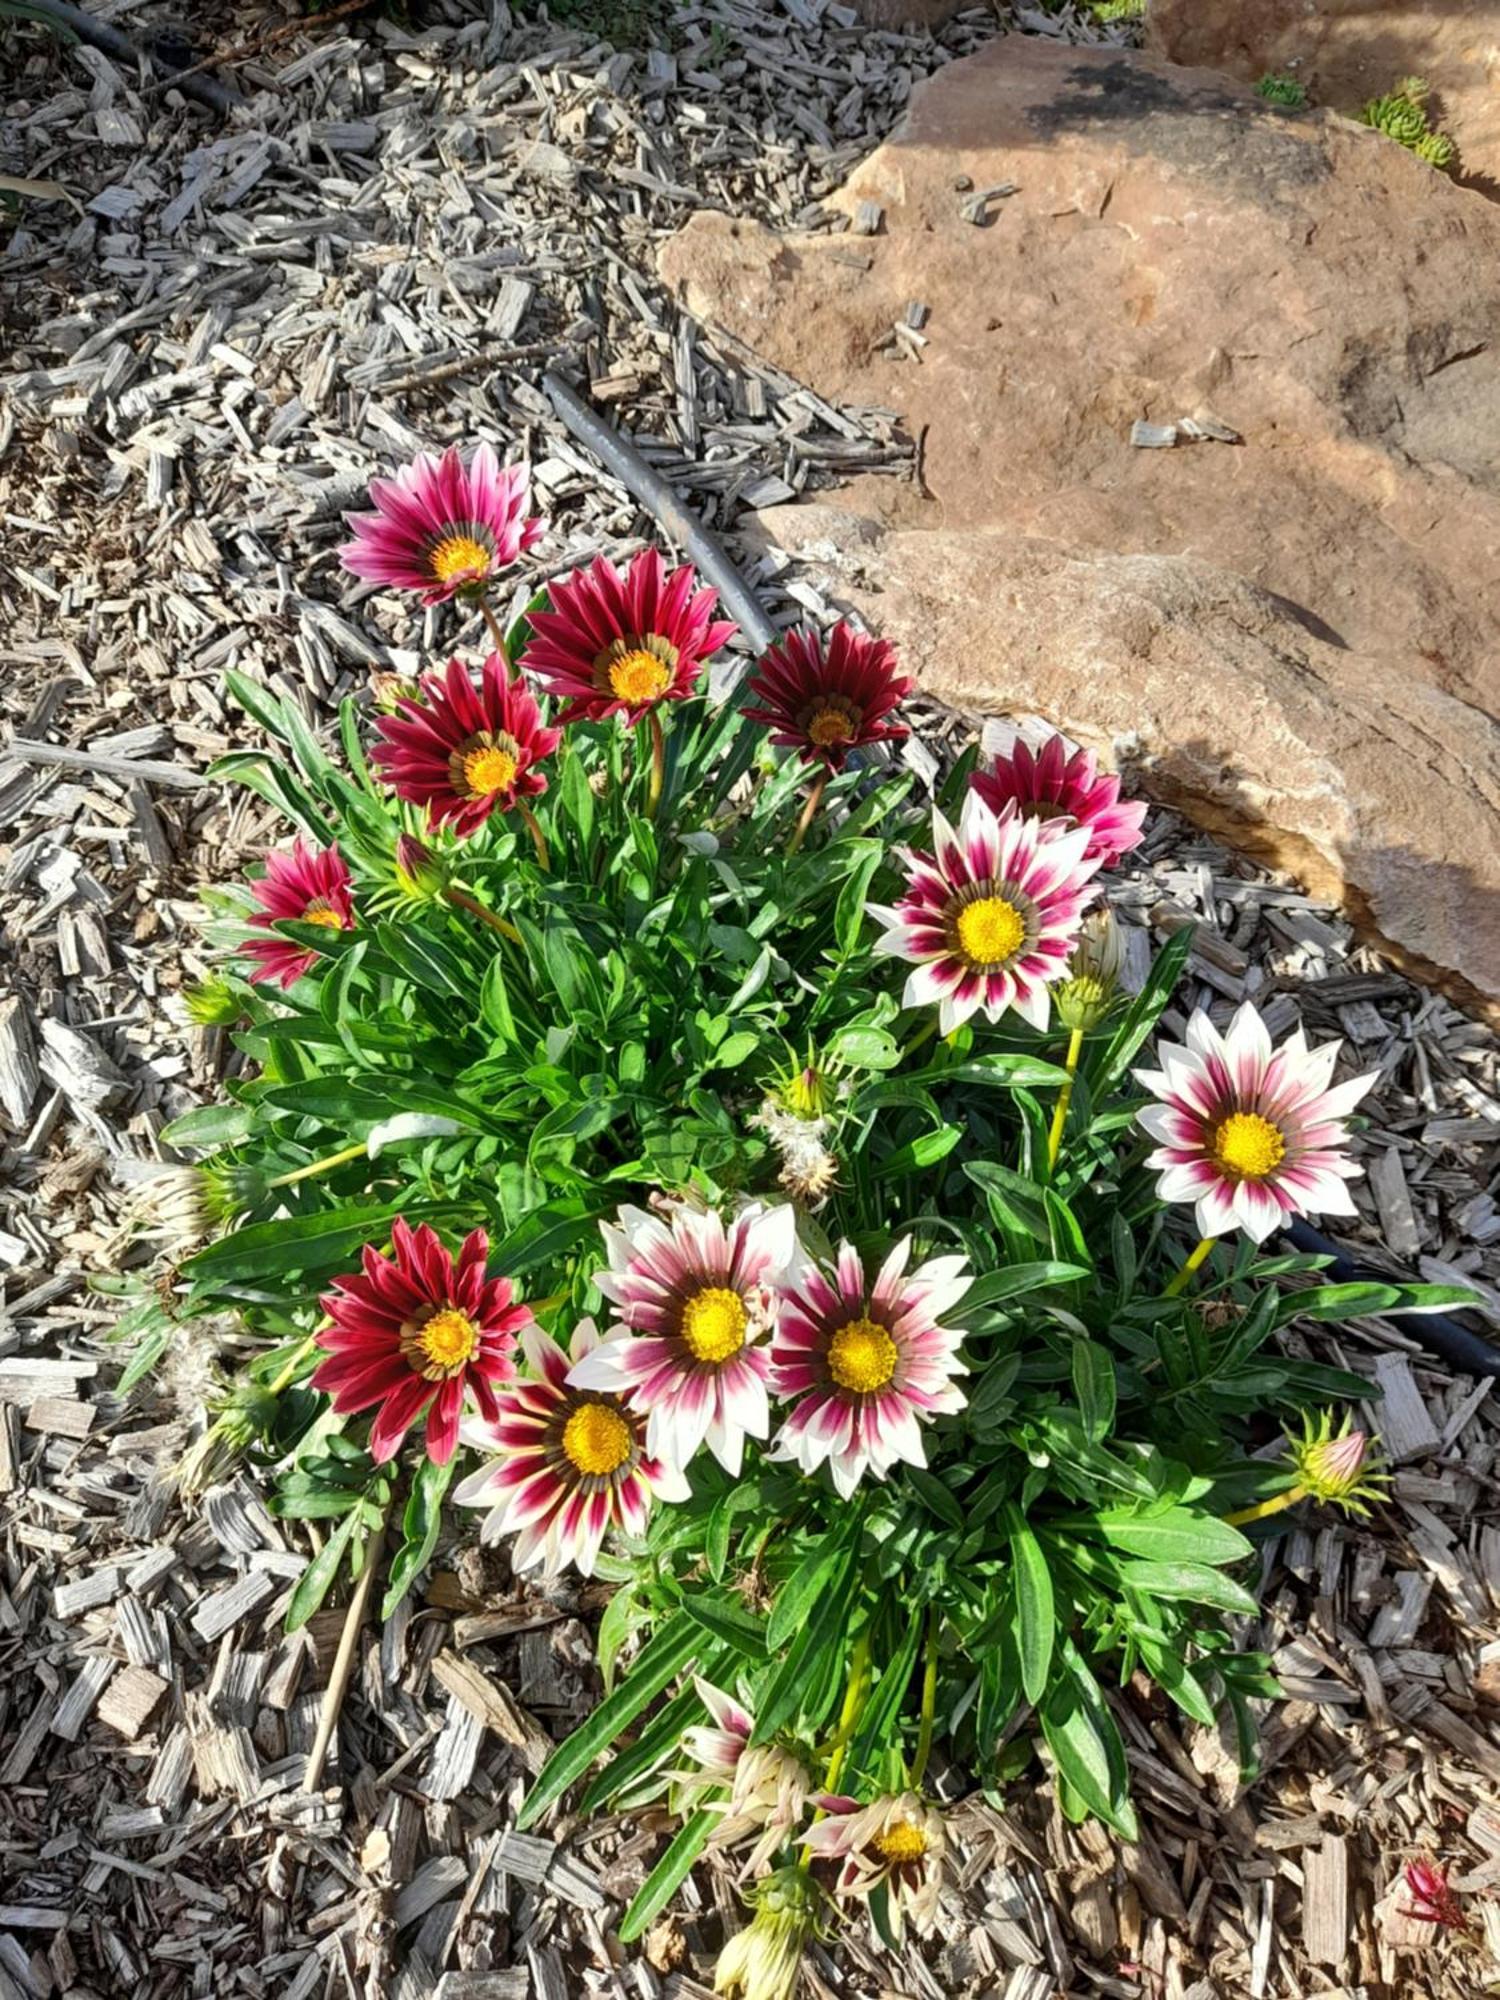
(465, 752)
(1248, 1134)
(897, 1840)
(694, 1296)
(1049, 784)
(442, 527)
(826, 698)
(768, 1785)
(310, 885)
(867, 1365)
(572, 1463)
(990, 917)
(617, 645)
(415, 1333)
(1433, 1899)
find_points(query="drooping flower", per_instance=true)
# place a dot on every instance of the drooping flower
(617, 645)
(1433, 1899)
(825, 697)
(1247, 1133)
(989, 918)
(897, 1840)
(572, 1462)
(693, 1296)
(1049, 784)
(414, 1333)
(1337, 1469)
(768, 1784)
(185, 1205)
(442, 527)
(1086, 995)
(309, 885)
(761, 1962)
(466, 752)
(866, 1364)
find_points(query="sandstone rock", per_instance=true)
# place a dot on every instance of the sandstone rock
(1298, 634)
(908, 13)
(1348, 51)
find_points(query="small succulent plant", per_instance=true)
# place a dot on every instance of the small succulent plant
(1286, 91)
(1403, 116)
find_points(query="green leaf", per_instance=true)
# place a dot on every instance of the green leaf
(728, 1620)
(211, 1126)
(658, 1742)
(420, 1525)
(307, 1243)
(824, 1633)
(1082, 1736)
(1180, 1534)
(921, 1152)
(1013, 1279)
(849, 910)
(1094, 1386)
(1355, 1300)
(661, 1885)
(1036, 1611)
(321, 1573)
(802, 1589)
(938, 1498)
(1194, 1582)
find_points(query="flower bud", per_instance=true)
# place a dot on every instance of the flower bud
(212, 1003)
(762, 1961)
(388, 691)
(420, 875)
(1084, 999)
(1338, 1468)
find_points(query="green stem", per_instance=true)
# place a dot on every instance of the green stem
(1180, 1282)
(306, 1173)
(1266, 1508)
(1064, 1099)
(924, 1034)
(658, 764)
(929, 1702)
(304, 1348)
(859, 1674)
(538, 838)
(809, 813)
(461, 900)
(495, 632)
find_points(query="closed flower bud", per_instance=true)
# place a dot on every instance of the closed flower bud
(1083, 999)
(212, 1003)
(1336, 1468)
(420, 875)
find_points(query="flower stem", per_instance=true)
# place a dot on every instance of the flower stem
(859, 1674)
(495, 632)
(923, 1034)
(1265, 1508)
(461, 900)
(538, 838)
(658, 764)
(306, 1173)
(1064, 1099)
(343, 1661)
(809, 813)
(1180, 1282)
(929, 1702)
(304, 1348)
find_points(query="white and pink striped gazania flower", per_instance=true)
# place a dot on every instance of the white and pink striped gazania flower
(694, 1296)
(768, 1785)
(1050, 784)
(1247, 1133)
(572, 1463)
(866, 1364)
(898, 1841)
(988, 918)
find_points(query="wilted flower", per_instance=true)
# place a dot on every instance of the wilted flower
(617, 645)
(1433, 1901)
(442, 527)
(414, 1332)
(572, 1462)
(1085, 997)
(989, 918)
(185, 1205)
(898, 1841)
(1336, 1469)
(310, 885)
(867, 1364)
(388, 691)
(1052, 785)
(694, 1297)
(825, 697)
(466, 752)
(243, 1420)
(1248, 1134)
(768, 1784)
(761, 1962)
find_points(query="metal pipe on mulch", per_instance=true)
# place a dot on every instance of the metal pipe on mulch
(83, 27)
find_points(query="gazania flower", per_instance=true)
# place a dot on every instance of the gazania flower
(1051, 785)
(866, 1364)
(310, 885)
(694, 1297)
(768, 1784)
(898, 1841)
(572, 1463)
(1337, 1469)
(466, 752)
(1248, 1134)
(826, 698)
(761, 1962)
(989, 919)
(617, 645)
(414, 1333)
(442, 527)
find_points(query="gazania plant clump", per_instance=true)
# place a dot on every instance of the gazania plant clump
(594, 1184)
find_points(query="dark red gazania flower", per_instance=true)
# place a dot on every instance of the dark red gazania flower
(414, 1333)
(825, 697)
(311, 886)
(617, 645)
(466, 752)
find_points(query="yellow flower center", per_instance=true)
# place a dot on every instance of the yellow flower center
(459, 555)
(832, 722)
(443, 1345)
(321, 913)
(596, 1439)
(713, 1324)
(862, 1356)
(990, 931)
(901, 1842)
(490, 768)
(639, 675)
(1248, 1146)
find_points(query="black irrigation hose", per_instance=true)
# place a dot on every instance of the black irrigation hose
(220, 97)
(1468, 1353)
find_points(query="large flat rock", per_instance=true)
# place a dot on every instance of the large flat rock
(1297, 635)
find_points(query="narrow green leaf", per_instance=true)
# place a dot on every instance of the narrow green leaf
(1036, 1612)
(1180, 1534)
(1094, 1386)
(318, 1578)
(661, 1885)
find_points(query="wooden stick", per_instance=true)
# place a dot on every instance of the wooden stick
(343, 1662)
(142, 769)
